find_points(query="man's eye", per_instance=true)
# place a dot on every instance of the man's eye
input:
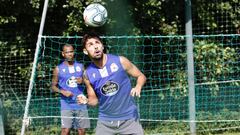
(69, 52)
(90, 44)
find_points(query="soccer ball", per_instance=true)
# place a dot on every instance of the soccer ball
(95, 15)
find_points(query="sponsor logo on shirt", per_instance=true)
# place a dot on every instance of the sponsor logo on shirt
(72, 82)
(110, 88)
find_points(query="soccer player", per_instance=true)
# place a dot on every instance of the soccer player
(109, 86)
(67, 77)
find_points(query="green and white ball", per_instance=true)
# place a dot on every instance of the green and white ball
(95, 15)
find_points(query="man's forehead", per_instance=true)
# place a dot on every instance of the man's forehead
(93, 39)
(67, 48)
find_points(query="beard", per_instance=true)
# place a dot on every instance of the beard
(98, 57)
(69, 59)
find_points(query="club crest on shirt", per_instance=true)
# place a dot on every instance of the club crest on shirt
(78, 69)
(114, 67)
(110, 88)
(72, 82)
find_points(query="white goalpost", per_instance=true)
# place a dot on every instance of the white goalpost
(26, 121)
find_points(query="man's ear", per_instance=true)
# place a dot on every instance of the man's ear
(85, 52)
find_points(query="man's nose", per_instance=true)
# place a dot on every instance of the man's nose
(70, 54)
(95, 46)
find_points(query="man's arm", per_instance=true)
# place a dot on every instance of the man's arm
(55, 82)
(92, 98)
(133, 71)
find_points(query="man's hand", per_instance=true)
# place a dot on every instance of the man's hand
(79, 80)
(66, 93)
(81, 99)
(135, 92)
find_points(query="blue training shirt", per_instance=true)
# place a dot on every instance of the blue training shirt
(67, 81)
(112, 87)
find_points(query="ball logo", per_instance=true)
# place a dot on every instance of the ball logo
(72, 82)
(110, 88)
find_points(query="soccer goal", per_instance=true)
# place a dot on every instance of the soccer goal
(165, 99)
(164, 103)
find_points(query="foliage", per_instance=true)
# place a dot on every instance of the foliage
(208, 123)
(131, 17)
(208, 15)
(12, 122)
(216, 63)
(156, 19)
(5, 20)
(221, 122)
(74, 18)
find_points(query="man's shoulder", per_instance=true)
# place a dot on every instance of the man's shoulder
(78, 63)
(114, 58)
(90, 66)
(61, 64)
(113, 55)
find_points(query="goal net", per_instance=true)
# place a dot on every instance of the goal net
(164, 102)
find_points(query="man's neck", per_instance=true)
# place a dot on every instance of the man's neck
(101, 62)
(69, 63)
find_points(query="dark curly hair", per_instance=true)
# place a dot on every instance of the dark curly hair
(88, 36)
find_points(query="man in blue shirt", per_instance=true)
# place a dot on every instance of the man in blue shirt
(67, 77)
(109, 86)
